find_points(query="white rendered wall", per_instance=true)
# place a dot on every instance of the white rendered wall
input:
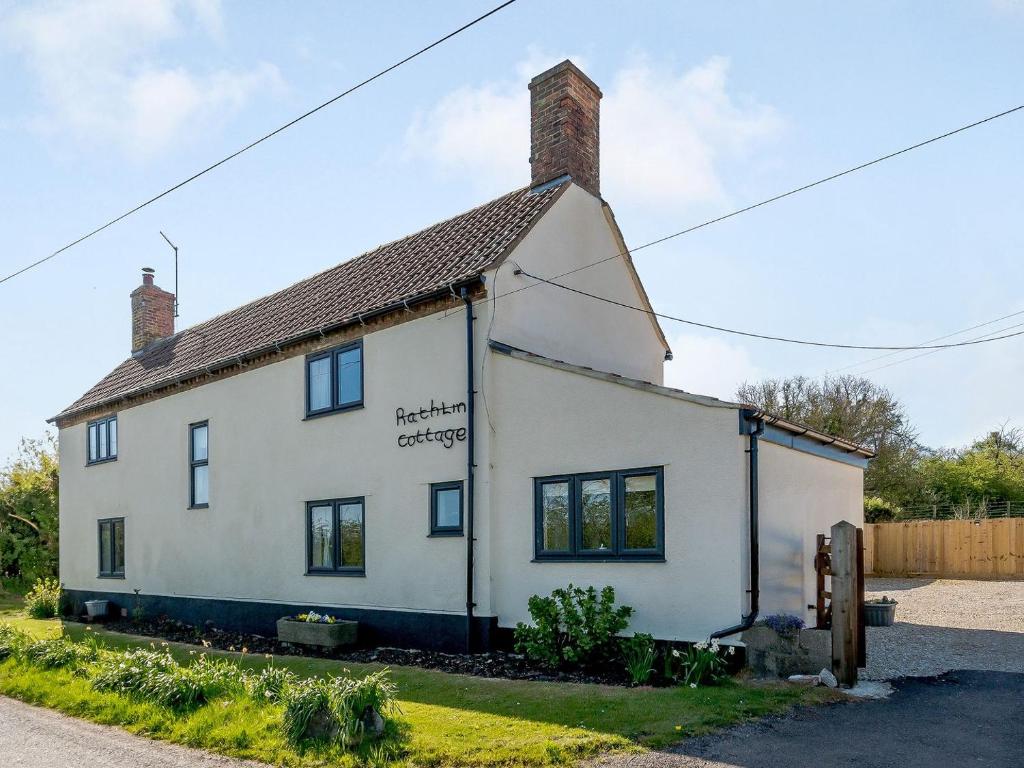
(801, 495)
(266, 461)
(550, 421)
(555, 323)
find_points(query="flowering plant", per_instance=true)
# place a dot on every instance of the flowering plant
(315, 618)
(703, 663)
(783, 623)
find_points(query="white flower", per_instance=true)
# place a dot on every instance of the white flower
(732, 649)
(700, 646)
(693, 685)
(675, 653)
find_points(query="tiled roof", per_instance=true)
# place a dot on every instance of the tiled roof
(450, 252)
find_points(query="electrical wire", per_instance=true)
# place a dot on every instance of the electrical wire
(977, 339)
(767, 337)
(781, 196)
(260, 140)
(929, 341)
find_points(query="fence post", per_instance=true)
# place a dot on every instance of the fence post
(845, 603)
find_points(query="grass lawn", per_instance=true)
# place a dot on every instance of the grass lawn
(448, 719)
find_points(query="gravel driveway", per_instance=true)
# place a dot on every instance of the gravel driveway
(947, 624)
(31, 737)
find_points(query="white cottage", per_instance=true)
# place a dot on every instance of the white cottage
(423, 437)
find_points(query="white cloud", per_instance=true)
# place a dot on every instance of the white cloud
(96, 69)
(705, 365)
(663, 134)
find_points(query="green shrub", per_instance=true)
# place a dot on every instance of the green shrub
(337, 710)
(43, 600)
(269, 683)
(573, 627)
(12, 642)
(216, 677)
(61, 653)
(878, 510)
(150, 675)
(638, 654)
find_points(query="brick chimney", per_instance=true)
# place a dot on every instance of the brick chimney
(564, 112)
(152, 313)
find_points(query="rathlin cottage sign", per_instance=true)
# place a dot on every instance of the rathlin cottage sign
(446, 436)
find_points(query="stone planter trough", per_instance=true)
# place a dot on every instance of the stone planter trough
(802, 653)
(334, 635)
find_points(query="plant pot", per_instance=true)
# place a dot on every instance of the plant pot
(97, 609)
(879, 614)
(314, 633)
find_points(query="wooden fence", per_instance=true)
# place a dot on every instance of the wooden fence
(983, 549)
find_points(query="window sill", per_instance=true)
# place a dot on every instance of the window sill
(333, 411)
(336, 573)
(198, 506)
(617, 559)
(100, 461)
(446, 534)
(110, 576)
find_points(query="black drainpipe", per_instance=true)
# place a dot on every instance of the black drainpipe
(470, 465)
(748, 419)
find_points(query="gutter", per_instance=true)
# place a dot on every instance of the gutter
(470, 465)
(799, 430)
(239, 360)
(752, 423)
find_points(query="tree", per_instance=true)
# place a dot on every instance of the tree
(29, 512)
(989, 470)
(856, 409)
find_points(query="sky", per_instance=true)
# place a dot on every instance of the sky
(707, 107)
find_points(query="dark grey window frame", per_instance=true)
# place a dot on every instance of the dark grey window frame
(337, 569)
(192, 464)
(111, 521)
(447, 530)
(103, 424)
(617, 552)
(333, 353)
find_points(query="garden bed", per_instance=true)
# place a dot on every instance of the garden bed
(452, 720)
(499, 664)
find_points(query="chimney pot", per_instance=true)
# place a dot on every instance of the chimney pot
(152, 313)
(564, 127)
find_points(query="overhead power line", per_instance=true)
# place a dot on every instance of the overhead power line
(766, 337)
(976, 339)
(260, 140)
(781, 196)
(929, 341)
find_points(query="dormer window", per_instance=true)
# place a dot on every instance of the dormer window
(101, 440)
(334, 379)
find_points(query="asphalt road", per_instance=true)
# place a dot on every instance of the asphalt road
(31, 737)
(959, 719)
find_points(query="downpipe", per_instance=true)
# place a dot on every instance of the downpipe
(470, 465)
(755, 567)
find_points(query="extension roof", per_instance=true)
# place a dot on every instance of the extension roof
(436, 260)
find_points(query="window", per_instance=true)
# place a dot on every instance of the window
(334, 380)
(101, 440)
(335, 537)
(199, 465)
(111, 548)
(446, 509)
(617, 515)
